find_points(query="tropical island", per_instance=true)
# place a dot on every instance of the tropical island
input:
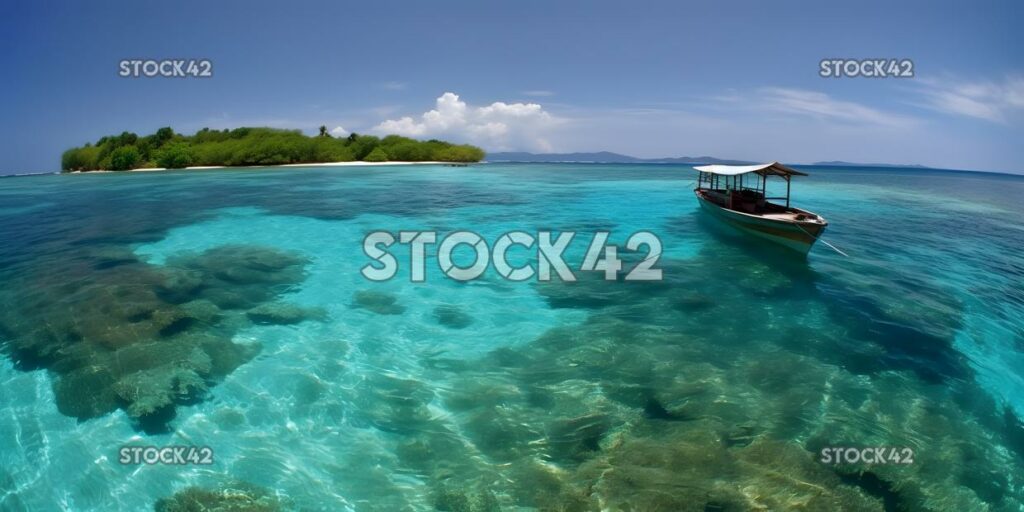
(255, 146)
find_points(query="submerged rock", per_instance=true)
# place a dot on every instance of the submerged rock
(150, 391)
(281, 313)
(546, 487)
(450, 499)
(452, 316)
(577, 438)
(145, 338)
(378, 302)
(86, 392)
(395, 404)
(234, 497)
(240, 276)
(659, 402)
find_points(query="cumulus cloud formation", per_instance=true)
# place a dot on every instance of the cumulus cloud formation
(338, 131)
(499, 126)
(989, 100)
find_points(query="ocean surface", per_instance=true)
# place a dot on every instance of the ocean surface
(226, 309)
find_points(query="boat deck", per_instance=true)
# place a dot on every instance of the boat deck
(756, 206)
(749, 209)
(790, 216)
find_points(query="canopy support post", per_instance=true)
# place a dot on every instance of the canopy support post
(787, 190)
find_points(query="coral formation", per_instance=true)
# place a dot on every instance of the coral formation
(284, 314)
(713, 390)
(144, 337)
(642, 408)
(452, 316)
(232, 497)
(381, 303)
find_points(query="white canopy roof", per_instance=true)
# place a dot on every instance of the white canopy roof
(772, 169)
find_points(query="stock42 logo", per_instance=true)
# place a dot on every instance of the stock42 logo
(545, 255)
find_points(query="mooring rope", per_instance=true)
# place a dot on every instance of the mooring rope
(834, 248)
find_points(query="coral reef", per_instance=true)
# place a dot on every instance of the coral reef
(232, 497)
(378, 302)
(456, 500)
(452, 316)
(143, 337)
(663, 400)
(714, 390)
(284, 314)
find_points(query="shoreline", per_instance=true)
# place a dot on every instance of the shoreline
(357, 163)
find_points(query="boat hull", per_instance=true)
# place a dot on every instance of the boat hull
(794, 235)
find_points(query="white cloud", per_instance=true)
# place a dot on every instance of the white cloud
(499, 126)
(991, 101)
(822, 106)
(338, 131)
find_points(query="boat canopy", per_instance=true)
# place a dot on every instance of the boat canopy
(772, 169)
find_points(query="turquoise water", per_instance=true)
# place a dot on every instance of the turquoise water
(226, 309)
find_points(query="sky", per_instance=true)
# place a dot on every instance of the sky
(727, 79)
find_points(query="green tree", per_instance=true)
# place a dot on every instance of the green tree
(329, 149)
(89, 156)
(72, 160)
(363, 145)
(174, 156)
(124, 158)
(239, 133)
(377, 155)
(162, 136)
(460, 153)
(127, 139)
(392, 140)
(254, 146)
(411, 151)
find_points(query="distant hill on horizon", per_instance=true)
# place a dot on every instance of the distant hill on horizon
(616, 158)
(604, 157)
(841, 163)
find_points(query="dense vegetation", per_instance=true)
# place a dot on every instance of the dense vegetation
(255, 146)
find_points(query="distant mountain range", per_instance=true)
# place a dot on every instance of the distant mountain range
(840, 163)
(616, 158)
(604, 157)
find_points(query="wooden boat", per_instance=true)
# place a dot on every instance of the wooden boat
(735, 194)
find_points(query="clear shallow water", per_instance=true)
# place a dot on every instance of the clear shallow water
(225, 308)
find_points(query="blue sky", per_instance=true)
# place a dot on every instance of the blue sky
(728, 79)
